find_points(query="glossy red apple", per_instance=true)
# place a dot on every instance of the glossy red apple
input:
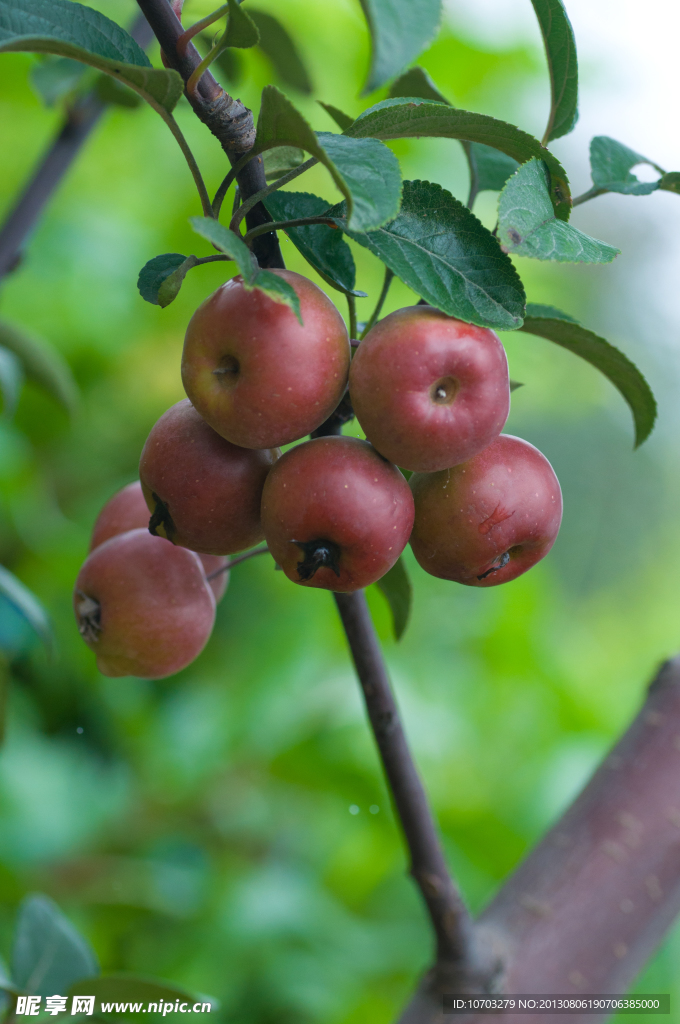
(335, 514)
(143, 606)
(257, 376)
(487, 520)
(204, 492)
(127, 510)
(428, 390)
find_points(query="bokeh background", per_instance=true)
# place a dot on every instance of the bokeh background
(229, 829)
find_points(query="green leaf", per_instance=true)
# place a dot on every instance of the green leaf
(278, 290)
(169, 289)
(396, 586)
(6, 982)
(48, 954)
(229, 62)
(128, 988)
(110, 90)
(42, 364)
(404, 117)
(279, 47)
(610, 165)
(528, 227)
(227, 242)
(440, 250)
(279, 161)
(515, 384)
(322, 246)
(11, 381)
(56, 77)
(670, 181)
(400, 30)
(154, 273)
(490, 167)
(365, 171)
(342, 120)
(548, 322)
(560, 49)
(417, 82)
(69, 29)
(241, 29)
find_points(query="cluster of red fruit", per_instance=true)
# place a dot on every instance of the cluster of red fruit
(431, 394)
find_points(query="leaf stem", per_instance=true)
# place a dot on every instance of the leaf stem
(389, 274)
(186, 37)
(592, 193)
(264, 192)
(236, 561)
(193, 166)
(352, 312)
(283, 180)
(281, 225)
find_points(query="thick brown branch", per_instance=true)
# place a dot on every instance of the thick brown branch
(228, 119)
(78, 123)
(458, 958)
(593, 900)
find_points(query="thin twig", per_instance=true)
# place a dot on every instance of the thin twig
(264, 192)
(592, 193)
(80, 119)
(449, 917)
(389, 275)
(236, 561)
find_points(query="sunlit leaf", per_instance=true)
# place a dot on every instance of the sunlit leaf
(559, 327)
(396, 586)
(48, 954)
(281, 50)
(440, 250)
(41, 364)
(404, 117)
(322, 246)
(400, 30)
(527, 225)
(560, 49)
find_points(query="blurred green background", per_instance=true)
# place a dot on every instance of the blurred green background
(229, 828)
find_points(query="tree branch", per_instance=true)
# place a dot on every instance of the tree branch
(228, 119)
(589, 905)
(80, 119)
(458, 958)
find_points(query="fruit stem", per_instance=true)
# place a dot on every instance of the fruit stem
(450, 919)
(352, 314)
(235, 561)
(380, 303)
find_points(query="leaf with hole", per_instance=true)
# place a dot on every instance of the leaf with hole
(400, 30)
(553, 324)
(322, 246)
(365, 171)
(610, 167)
(670, 181)
(527, 225)
(342, 120)
(56, 77)
(42, 364)
(404, 117)
(560, 50)
(440, 250)
(68, 29)
(396, 587)
(48, 954)
(11, 381)
(280, 48)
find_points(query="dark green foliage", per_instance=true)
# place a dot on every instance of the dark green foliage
(342, 120)
(551, 323)
(527, 225)
(154, 273)
(400, 30)
(610, 166)
(48, 954)
(560, 49)
(440, 250)
(321, 245)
